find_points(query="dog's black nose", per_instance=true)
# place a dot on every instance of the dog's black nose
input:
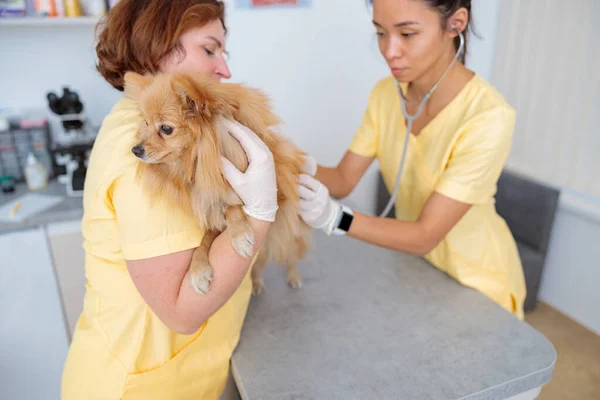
(138, 151)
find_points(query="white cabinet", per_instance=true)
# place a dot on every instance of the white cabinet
(42, 285)
(66, 245)
(33, 333)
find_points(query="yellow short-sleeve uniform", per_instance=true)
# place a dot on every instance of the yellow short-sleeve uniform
(120, 348)
(459, 154)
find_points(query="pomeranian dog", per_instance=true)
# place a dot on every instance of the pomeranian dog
(180, 143)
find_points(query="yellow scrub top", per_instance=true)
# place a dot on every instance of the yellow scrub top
(459, 154)
(120, 348)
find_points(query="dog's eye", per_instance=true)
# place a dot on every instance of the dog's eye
(146, 123)
(166, 130)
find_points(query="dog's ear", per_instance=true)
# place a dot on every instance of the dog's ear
(193, 105)
(134, 84)
(194, 96)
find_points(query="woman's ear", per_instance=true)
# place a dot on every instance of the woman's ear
(458, 21)
(134, 84)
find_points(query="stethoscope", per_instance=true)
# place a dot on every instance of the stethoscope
(411, 118)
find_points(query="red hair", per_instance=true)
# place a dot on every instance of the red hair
(136, 34)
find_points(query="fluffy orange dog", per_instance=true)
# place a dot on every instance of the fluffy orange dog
(180, 143)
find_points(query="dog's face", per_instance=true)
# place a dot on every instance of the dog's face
(178, 114)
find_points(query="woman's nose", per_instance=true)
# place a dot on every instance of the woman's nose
(222, 69)
(392, 49)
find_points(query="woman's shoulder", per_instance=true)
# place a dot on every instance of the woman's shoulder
(484, 98)
(118, 131)
(123, 115)
(383, 95)
(485, 119)
(385, 86)
(111, 153)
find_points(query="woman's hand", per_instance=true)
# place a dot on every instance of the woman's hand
(317, 208)
(257, 187)
(310, 165)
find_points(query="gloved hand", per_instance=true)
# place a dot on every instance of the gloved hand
(310, 165)
(257, 187)
(317, 208)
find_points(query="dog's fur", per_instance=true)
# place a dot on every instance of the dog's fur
(180, 143)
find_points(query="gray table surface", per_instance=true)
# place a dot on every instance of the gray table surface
(69, 209)
(370, 323)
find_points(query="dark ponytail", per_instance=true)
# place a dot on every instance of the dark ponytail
(447, 8)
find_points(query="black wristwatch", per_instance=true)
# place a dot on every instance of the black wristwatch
(344, 221)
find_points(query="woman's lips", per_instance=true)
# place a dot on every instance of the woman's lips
(397, 70)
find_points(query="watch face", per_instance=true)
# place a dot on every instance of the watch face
(345, 221)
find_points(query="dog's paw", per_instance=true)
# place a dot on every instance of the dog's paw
(200, 279)
(294, 282)
(293, 278)
(244, 243)
(258, 286)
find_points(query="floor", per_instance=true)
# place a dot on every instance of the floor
(577, 371)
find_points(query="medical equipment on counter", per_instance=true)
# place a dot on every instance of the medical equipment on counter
(74, 136)
(411, 118)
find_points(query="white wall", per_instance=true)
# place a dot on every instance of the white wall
(44, 58)
(480, 51)
(318, 64)
(555, 93)
(572, 270)
(553, 82)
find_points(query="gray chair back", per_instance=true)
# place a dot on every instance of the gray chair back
(528, 207)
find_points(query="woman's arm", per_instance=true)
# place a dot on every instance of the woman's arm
(341, 180)
(437, 218)
(162, 281)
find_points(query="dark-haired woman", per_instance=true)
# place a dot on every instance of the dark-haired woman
(457, 147)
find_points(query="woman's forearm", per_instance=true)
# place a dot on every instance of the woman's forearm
(229, 269)
(409, 237)
(334, 180)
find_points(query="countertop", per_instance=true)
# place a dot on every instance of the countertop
(71, 208)
(370, 323)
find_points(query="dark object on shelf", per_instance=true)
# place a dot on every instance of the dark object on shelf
(70, 166)
(73, 137)
(68, 104)
(7, 183)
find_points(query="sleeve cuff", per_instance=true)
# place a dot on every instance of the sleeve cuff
(162, 245)
(461, 192)
(361, 151)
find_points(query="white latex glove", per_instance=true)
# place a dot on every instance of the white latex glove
(317, 208)
(257, 187)
(310, 165)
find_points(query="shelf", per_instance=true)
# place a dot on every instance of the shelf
(49, 21)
